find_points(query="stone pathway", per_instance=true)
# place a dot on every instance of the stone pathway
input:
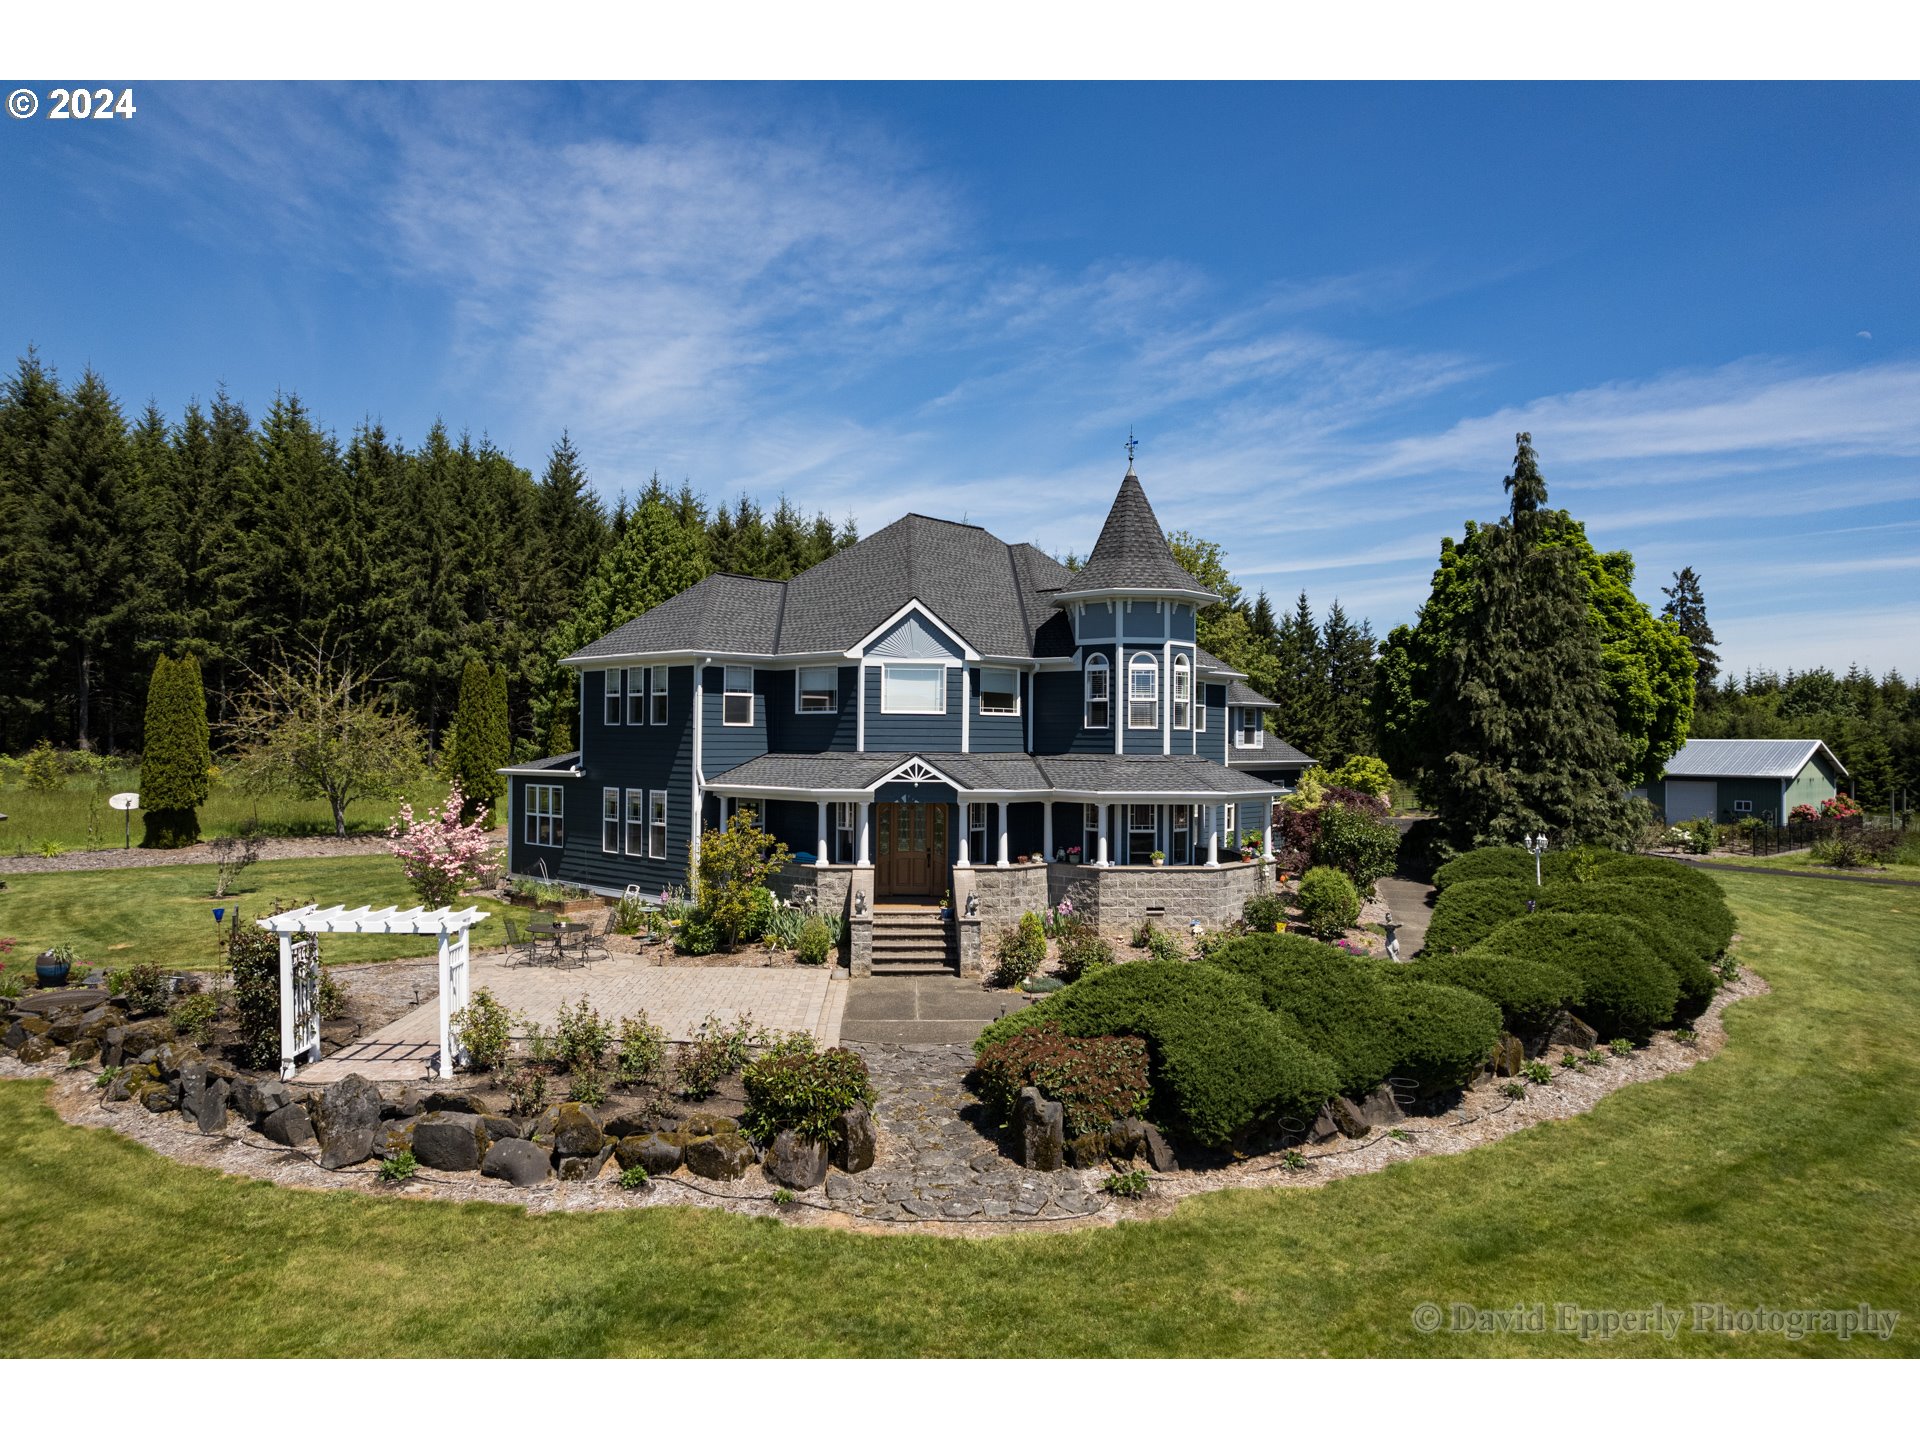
(924, 1009)
(1411, 902)
(935, 1162)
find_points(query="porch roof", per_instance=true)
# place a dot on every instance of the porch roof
(853, 775)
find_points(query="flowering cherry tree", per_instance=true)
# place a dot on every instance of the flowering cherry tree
(440, 854)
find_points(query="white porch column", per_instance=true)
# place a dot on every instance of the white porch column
(1106, 823)
(820, 854)
(966, 835)
(1213, 836)
(288, 1061)
(1046, 830)
(866, 828)
(1266, 836)
(1000, 814)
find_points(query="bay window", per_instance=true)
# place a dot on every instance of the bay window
(1143, 694)
(1099, 693)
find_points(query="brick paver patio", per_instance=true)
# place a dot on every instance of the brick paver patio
(677, 999)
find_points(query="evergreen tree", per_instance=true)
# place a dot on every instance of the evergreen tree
(1686, 607)
(32, 428)
(1347, 649)
(479, 743)
(176, 762)
(1304, 717)
(1519, 713)
(89, 487)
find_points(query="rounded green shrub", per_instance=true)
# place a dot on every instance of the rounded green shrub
(1097, 1079)
(1333, 1001)
(1687, 929)
(1470, 910)
(1082, 949)
(1441, 1034)
(1530, 995)
(1264, 912)
(815, 943)
(1220, 1063)
(1328, 902)
(803, 1092)
(1625, 989)
(1354, 841)
(1494, 862)
(1020, 950)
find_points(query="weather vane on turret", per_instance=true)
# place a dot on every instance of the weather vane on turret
(1131, 443)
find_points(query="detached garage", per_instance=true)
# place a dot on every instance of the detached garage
(1731, 779)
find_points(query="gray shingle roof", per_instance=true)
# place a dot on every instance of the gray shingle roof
(1746, 759)
(1190, 776)
(1244, 695)
(1132, 552)
(568, 761)
(725, 614)
(1275, 754)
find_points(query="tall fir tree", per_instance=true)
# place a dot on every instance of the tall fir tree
(1304, 716)
(176, 761)
(478, 742)
(1347, 652)
(33, 414)
(1520, 715)
(1686, 607)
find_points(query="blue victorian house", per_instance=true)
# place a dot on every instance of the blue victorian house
(930, 714)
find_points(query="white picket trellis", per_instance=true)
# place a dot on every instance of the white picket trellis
(299, 968)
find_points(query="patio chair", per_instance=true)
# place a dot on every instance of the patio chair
(543, 939)
(519, 945)
(593, 941)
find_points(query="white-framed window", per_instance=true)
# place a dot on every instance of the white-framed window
(636, 696)
(657, 696)
(1089, 834)
(1182, 693)
(1248, 733)
(736, 707)
(977, 813)
(1099, 693)
(545, 821)
(1200, 712)
(636, 822)
(1143, 693)
(1229, 829)
(657, 825)
(913, 689)
(610, 820)
(1743, 807)
(1181, 851)
(817, 690)
(846, 822)
(999, 692)
(610, 710)
(1143, 830)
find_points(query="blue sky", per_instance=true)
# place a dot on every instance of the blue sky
(1324, 308)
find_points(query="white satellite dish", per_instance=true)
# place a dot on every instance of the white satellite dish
(125, 800)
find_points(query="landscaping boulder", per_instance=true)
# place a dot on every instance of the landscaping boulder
(655, 1153)
(118, 1089)
(634, 1122)
(160, 1097)
(257, 1099)
(725, 1156)
(1085, 1151)
(855, 1140)
(82, 1050)
(145, 1035)
(289, 1125)
(450, 1140)
(499, 1127)
(209, 1107)
(1509, 1056)
(22, 1029)
(1573, 1032)
(1159, 1153)
(394, 1137)
(1039, 1131)
(408, 1102)
(575, 1131)
(171, 1055)
(1319, 1132)
(346, 1118)
(795, 1163)
(454, 1102)
(1347, 1118)
(34, 1049)
(1381, 1108)
(519, 1162)
(1127, 1139)
(703, 1123)
(64, 1026)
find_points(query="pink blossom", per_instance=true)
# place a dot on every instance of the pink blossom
(439, 854)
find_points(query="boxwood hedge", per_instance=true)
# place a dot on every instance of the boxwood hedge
(1495, 862)
(1470, 910)
(1221, 1063)
(1625, 988)
(1530, 994)
(1335, 1003)
(1442, 1034)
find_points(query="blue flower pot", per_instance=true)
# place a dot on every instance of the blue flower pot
(51, 973)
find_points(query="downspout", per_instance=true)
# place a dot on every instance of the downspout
(699, 776)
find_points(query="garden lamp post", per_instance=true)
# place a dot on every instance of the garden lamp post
(1536, 847)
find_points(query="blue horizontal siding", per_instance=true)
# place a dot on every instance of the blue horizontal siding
(997, 734)
(934, 733)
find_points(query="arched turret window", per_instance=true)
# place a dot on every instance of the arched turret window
(1099, 693)
(1182, 693)
(1143, 693)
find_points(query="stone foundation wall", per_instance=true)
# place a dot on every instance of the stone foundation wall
(1005, 894)
(829, 888)
(1116, 899)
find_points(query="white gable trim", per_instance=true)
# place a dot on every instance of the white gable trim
(914, 607)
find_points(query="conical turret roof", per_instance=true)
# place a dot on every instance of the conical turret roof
(1132, 554)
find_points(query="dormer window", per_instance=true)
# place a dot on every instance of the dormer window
(1099, 694)
(1249, 733)
(1182, 693)
(1143, 693)
(999, 692)
(737, 704)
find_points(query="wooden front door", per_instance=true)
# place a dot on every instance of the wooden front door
(910, 851)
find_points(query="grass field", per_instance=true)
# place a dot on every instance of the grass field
(76, 817)
(1781, 1173)
(164, 913)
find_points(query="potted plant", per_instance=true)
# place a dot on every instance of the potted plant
(946, 906)
(52, 967)
(1159, 857)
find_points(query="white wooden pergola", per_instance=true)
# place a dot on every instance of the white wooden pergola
(300, 971)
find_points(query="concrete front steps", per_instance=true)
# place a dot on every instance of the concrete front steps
(914, 940)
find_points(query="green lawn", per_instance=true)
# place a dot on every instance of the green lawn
(76, 817)
(1800, 860)
(164, 913)
(1781, 1173)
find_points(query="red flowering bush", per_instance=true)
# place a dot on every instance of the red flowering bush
(1803, 815)
(1839, 807)
(1097, 1080)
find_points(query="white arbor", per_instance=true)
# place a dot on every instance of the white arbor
(300, 971)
